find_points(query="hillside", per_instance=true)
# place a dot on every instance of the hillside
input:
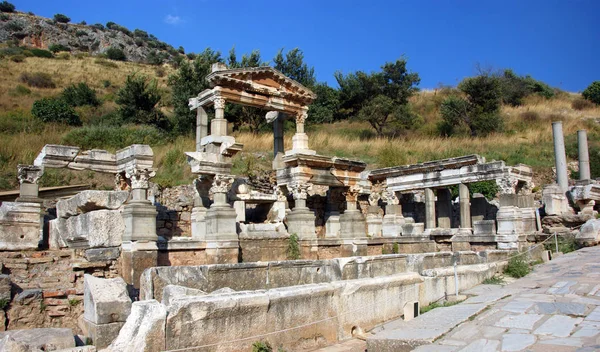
(526, 137)
(38, 32)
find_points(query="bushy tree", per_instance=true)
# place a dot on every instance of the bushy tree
(60, 18)
(325, 107)
(592, 92)
(377, 112)
(138, 102)
(80, 95)
(515, 88)
(187, 83)
(293, 66)
(55, 110)
(6, 6)
(116, 54)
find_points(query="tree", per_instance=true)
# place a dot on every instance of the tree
(138, 100)
(293, 66)
(6, 6)
(325, 107)
(116, 54)
(377, 112)
(515, 88)
(592, 92)
(187, 83)
(60, 18)
(55, 110)
(80, 95)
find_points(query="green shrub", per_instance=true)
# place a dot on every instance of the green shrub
(80, 95)
(395, 248)
(6, 6)
(4, 303)
(138, 100)
(60, 18)
(98, 26)
(517, 267)
(293, 249)
(582, 104)
(14, 26)
(58, 47)
(41, 53)
(116, 54)
(55, 110)
(37, 80)
(489, 189)
(261, 346)
(17, 58)
(81, 33)
(390, 156)
(19, 90)
(171, 169)
(113, 137)
(592, 92)
(494, 280)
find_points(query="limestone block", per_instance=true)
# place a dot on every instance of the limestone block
(332, 225)
(102, 254)
(139, 156)
(53, 155)
(139, 219)
(105, 300)
(20, 225)
(57, 232)
(144, 330)
(96, 160)
(302, 223)
(198, 223)
(221, 223)
(589, 233)
(171, 292)
(103, 335)
(46, 339)
(269, 230)
(555, 200)
(101, 228)
(8, 344)
(374, 225)
(88, 201)
(484, 227)
(352, 224)
(5, 288)
(413, 229)
(509, 220)
(79, 349)
(411, 310)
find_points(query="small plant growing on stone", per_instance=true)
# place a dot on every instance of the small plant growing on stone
(293, 250)
(395, 248)
(4, 303)
(517, 267)
(43, 307)
(74, 302)
(494, 280)
(262, 346)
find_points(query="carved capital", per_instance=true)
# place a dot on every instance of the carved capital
(29, 173)
(374, 198)
(139, 177)
(351, 194)
(221, 183)
(219, 103)
(301, 117)
(507, 185)
(300, 190)
(390, 197)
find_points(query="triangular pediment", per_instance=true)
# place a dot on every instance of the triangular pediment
(262, 80)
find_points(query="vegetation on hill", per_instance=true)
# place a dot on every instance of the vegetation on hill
(65, 95)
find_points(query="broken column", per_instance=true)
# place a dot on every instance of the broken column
(106, 308)
(374, 219)
(352, 221)
(29, 176)
(429, 209)
(301, 220)
(465, 209)
(139, 237)
(560, 156)
(221, 231)
(584, 156)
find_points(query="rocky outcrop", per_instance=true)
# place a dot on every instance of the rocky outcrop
(40, 32)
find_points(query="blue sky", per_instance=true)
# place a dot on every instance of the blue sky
(554, 41)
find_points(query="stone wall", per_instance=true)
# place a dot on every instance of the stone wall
(174, 207)
(46, 287)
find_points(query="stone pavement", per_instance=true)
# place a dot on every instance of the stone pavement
(555, 308)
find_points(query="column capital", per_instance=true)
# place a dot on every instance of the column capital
(390, 197)
(219, 103)
(139, 177)
(299, 190)
(221, 183)
(351, 193)
(301, 116)
(29, 173)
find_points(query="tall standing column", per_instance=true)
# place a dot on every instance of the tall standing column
(352, 221)
(584, 156)
(560, 156)
(301, 220)
(429, 208)
(300, 139)
(465, 208)
(278, 148)
(201, 126)
(218, 126)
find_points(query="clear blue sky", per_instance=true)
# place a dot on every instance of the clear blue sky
(554, 41)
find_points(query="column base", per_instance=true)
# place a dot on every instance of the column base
(352, 224)
(139, 218)
(199, 223)
(221, 224)
(137, 257)
(222, 252)
(301, 221)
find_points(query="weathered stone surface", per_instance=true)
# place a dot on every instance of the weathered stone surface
(79, 349)
(53, 155)
(95, 160)
(5, 287)
(20, 225)
(102, 254)
(139, 156)
(105, 300)
(558, 326)
(103, 335)
(46, 339)
(171, 292)
(144, 329)
(8, 344)
(589, 234)
(517, 342)
(88, 201)
(101, 228)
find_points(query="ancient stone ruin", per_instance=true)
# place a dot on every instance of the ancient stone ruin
(324, 247)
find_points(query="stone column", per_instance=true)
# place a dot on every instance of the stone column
(584, 156)
(218, 126)
(374, 218)
(393, 218)
(444, 208)
(139, 249)
(29, 176)
(465, 209)
(332, 224)
(201, 127)
(221, 217)
(301, 220)
(198, 216)
(278, 148)
(560, 156)
(300, 139)
(352, 221)
(429, 209)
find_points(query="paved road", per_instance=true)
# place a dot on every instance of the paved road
(555, 308)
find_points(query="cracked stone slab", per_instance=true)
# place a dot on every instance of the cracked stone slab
(574, 309)
(561, 287)
(594, 315)
(558, 326)
(587, 329)
(523, 321)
